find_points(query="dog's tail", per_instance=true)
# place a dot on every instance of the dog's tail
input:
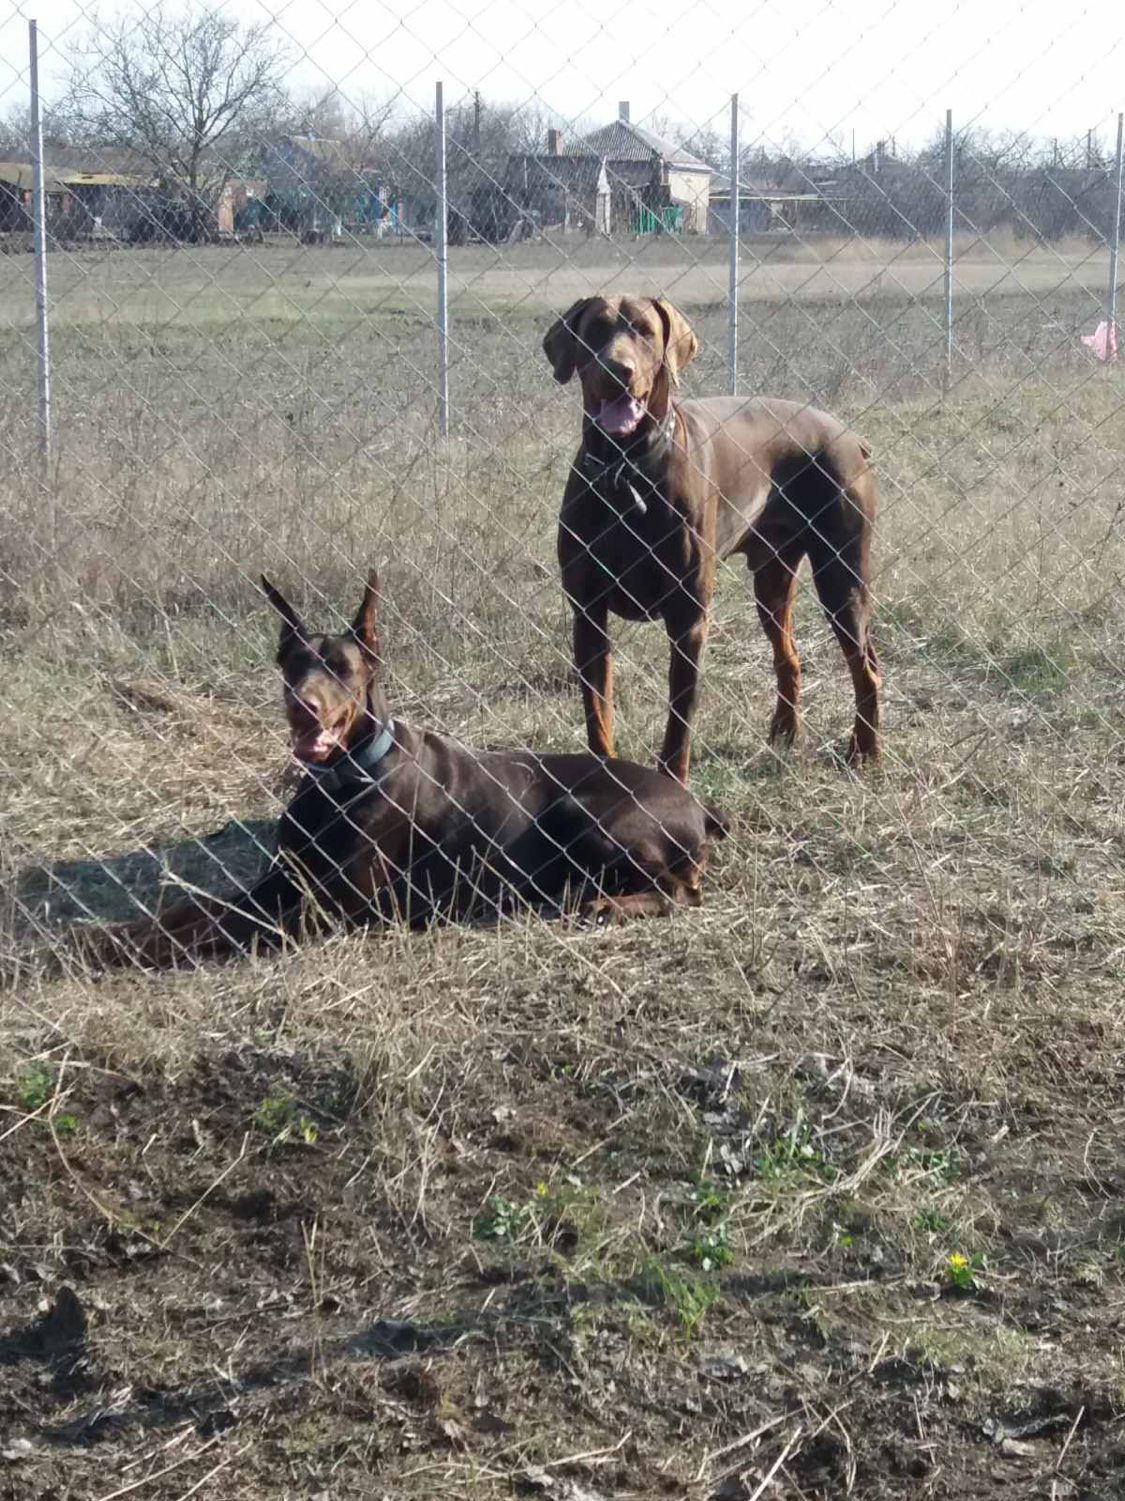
(716, 823)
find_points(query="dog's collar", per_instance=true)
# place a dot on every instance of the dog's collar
(354, 765)
(620, 469)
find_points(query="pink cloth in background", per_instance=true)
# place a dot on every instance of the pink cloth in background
(1103, 341)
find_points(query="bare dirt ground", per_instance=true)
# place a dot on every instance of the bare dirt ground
(814, 1193)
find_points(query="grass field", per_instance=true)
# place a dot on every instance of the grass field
(813, 1193)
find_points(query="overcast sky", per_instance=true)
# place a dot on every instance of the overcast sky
(803, 68)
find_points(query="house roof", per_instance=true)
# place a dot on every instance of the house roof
(330, 152)
(99, 163)
(761, 192)
(21, 175)
(720, 187)
(65, 167)
(318, 158)
(102, 180)
(16, 173)
(622, 141)
(888, 166)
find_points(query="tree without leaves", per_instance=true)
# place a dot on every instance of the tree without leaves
(358, 122)
(478, 148)
(705, 141)
(708, 143)
(190, 92)
(15, 132)
(322, 113)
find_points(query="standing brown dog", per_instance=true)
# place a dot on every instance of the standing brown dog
(662, 490)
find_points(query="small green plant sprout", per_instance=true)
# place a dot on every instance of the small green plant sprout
(35, 1084)
(707, 1241)
(794, 1154)
(279, 1117)
(710, 1248)
(930, 1220)
(35, 1089)
(568, 1215)
(959, 1271)
(502, 1219)
(552, 1210)
(710, 1201)
(941, 1164)
(687, 1297)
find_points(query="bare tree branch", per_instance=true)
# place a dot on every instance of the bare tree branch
(191, 92)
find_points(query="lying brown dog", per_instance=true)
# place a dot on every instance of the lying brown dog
(391, 821)
(662, 490)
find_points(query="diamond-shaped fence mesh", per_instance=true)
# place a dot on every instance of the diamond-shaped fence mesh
(279, 342)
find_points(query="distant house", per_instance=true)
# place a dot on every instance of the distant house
(764, 208)
(889, 196)
(16, 185)
(81, 198)
(652, 184)
(117, 194)
(239, 204)
(313, 188)
(107, 188)
(305, 178)
(754, 213)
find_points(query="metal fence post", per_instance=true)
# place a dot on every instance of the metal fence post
(948, 379)
(1115, 242)
(441, 253)
(39, 216)
(732, 291)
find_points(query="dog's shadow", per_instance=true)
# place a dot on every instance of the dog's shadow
(46, 900)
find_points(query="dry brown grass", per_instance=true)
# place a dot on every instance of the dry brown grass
(892, 1036)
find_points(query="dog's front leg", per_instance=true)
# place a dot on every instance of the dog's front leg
(203, 927)
(593, 662)
(687, 640)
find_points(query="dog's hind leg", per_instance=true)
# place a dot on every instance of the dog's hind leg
(774, 586)
(841, 577)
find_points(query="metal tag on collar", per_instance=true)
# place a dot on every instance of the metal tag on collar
(621, 482)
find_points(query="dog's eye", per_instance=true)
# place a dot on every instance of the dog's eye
(596, 332)
(337, 663)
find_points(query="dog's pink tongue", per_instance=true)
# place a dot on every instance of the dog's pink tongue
(620, 416)
(314, 746)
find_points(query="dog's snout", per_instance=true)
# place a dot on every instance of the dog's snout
(297, 704)
(621, 371)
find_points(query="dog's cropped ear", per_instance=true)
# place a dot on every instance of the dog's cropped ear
(364, 624)
(561, 342)
(680, 343)
(292, 626)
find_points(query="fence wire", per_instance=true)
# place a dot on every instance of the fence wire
(297, 321)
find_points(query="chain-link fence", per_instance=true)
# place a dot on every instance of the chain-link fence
(294, 323)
